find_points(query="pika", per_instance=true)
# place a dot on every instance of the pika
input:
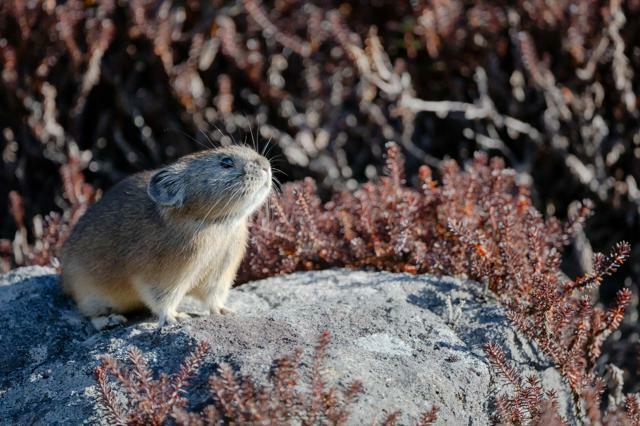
(159, 235)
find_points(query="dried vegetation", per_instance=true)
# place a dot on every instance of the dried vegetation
(478, 223)
(103, 89)
(293, 395)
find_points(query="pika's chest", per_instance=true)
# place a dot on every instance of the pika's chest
(215, 249)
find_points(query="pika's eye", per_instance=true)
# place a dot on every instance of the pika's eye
(226, 162)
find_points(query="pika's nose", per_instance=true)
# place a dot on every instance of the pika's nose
(259, 167)
(263, 166)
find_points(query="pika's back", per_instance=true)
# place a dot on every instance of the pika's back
(123, 221)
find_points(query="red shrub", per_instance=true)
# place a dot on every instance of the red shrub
(291, 397)
(48, 235)
(478, 223)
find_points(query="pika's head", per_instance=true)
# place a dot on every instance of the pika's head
(226, 183)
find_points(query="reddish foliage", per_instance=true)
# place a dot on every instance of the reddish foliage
(48, 234)
(148, 400)
(289, 398)
(529, 404)
(478, 223)
(632, 407)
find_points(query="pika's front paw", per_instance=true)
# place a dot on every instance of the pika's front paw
(172, 318)
(221, 311)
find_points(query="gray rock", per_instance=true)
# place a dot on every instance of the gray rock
(394, 332)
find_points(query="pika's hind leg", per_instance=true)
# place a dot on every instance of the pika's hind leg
(163, 301)
(94, 298)
(109, 321)
(100, 312)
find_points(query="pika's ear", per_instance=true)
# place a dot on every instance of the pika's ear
(167, 188)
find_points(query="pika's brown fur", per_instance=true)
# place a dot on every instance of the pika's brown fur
(159, 235)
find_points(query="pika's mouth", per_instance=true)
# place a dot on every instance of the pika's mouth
(266, 176)
(258, 186)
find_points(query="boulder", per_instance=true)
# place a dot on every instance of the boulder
(413, 341)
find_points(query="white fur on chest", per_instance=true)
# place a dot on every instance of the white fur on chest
(212, 250)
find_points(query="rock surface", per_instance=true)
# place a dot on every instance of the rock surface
(393, 332)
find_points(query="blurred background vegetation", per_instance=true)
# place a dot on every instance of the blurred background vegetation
(92, 91)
